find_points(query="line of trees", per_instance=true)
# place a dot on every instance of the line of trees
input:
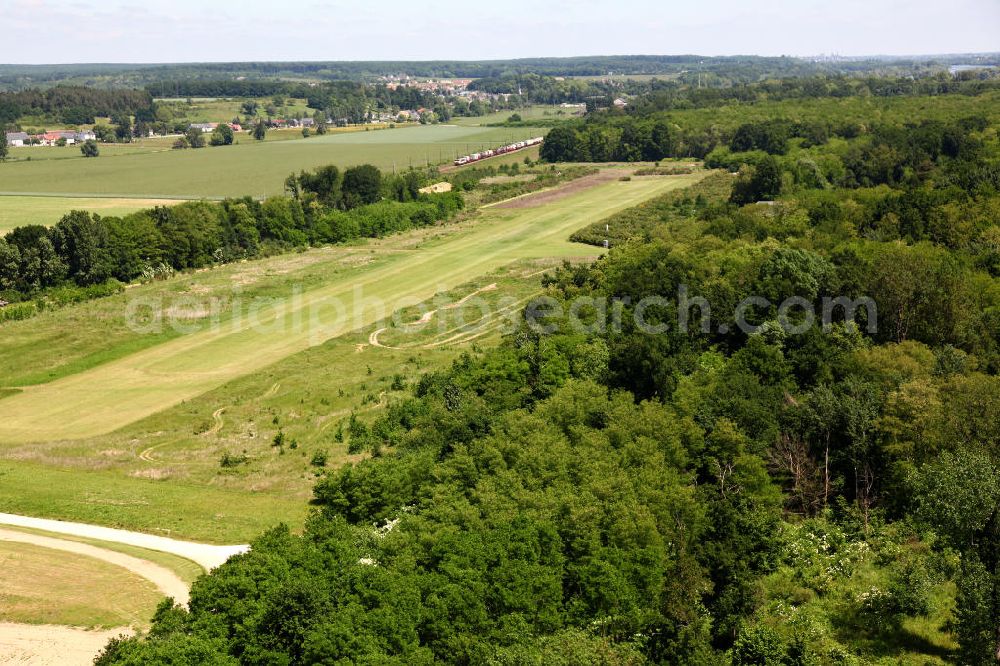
(327, 206)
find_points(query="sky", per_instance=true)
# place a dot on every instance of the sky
(53, 31)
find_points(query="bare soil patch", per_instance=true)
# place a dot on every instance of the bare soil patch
(538, 199)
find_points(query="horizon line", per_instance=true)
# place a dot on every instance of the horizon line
(872, 56)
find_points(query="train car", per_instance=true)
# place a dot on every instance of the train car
(502, 150)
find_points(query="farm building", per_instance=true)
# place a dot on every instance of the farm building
(205, 128)
(17, 139)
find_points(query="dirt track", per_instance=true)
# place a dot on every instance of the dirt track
(56, 645)
(208, 556)
(51, 645)
(536, 199)
(169, 583)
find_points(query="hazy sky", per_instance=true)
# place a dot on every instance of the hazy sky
(47, 31)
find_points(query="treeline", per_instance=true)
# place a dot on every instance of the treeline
(700, 90)
(73, 105)
(692, 69)
(538, 89)
(627, 135)
(606, 137)
(353, 102)
(670, 95)
(622, 140)
(328, 206)
(227, 88)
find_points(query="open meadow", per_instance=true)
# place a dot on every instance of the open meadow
(534, 112)
(247, 168)
(129, 428)
(18, 211)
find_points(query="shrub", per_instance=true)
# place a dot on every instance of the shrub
(18, 311)
(758, 646)
(230, 461)
(319, 459)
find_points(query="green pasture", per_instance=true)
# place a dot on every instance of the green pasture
(147, 381)
(255, 168)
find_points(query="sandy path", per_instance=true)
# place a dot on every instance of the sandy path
(207, 555)
(56, 645)
(45, 645)
(51, 645)
(169, 583)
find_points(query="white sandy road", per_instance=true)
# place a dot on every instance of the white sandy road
(169, 583)
(207, 555)
(56, 645)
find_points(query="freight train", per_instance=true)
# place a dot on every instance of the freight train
(502, 150)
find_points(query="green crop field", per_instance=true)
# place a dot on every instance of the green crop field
(151, 415)
(253, 168)
(17, 211)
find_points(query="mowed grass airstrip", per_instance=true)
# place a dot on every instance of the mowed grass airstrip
(249, 168)
(129, 400)
(116, 393)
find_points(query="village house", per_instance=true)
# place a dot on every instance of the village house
(206, 128)
(55, 138)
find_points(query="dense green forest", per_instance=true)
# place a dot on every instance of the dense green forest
(772, 489)
(74, 104)
(680, 121)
